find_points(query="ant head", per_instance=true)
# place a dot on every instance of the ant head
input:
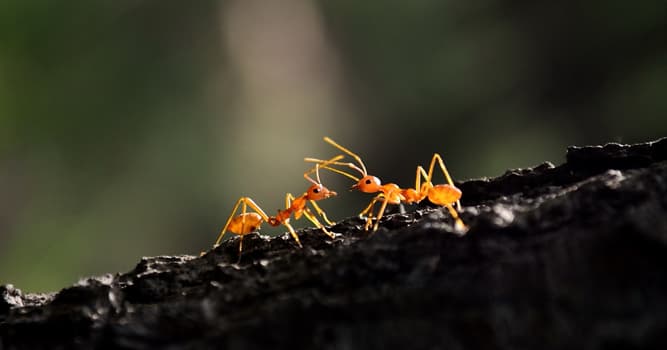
(368, 184)
(318, 191)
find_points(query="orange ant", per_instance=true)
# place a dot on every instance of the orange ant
(247, 222)
(444, 195)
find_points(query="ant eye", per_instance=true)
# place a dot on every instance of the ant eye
(368, 181)
(316, 190)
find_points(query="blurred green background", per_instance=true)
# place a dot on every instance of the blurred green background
(130, 128)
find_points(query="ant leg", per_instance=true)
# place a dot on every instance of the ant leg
(256, 208)
(457, 219)
(229, 220)
(369, 208)
(288, 203)
(420, 172)
(380, 213)
(369, 223)
(288, 200)
(321, 213)
(438, 158)
(238, 260)
(309, 215)
(423, 188)
(293, 233)
(368, 212)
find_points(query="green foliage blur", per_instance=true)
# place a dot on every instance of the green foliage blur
(130, 128)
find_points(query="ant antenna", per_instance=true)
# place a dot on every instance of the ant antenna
(325, 165)
(352, 154)
(316, 169)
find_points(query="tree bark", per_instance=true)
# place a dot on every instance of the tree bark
(567, 257)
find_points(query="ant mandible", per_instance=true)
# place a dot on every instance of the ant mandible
(248, 222)
(443, 194)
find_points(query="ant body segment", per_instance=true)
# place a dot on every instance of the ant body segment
(443, 194)
(248, 222)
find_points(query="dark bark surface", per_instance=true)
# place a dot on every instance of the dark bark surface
(567, 257)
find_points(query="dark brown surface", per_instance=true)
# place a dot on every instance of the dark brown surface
(567, 257)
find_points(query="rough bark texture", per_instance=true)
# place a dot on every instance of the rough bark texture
(567, 257)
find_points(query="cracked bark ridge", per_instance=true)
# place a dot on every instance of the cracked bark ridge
(567, 257)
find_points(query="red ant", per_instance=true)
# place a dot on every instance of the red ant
(444, 195)
(247, 222)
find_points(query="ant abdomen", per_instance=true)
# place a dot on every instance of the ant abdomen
(444, 194)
